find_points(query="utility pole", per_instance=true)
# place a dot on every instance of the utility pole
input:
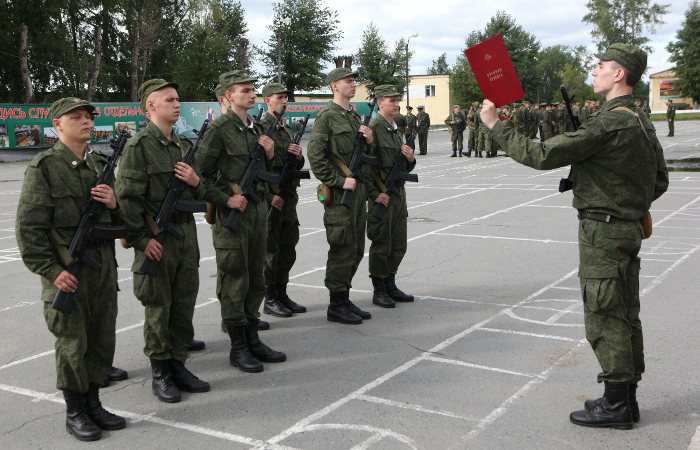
(408, 77)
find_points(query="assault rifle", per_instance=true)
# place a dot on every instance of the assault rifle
(359, 157)
(565, 184)
(172, 206)
(288, 174)
(396, 174)
(87, 230)
(253, 172)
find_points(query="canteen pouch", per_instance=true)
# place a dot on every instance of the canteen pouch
(324, 193)
(646, 224)
(210, 215)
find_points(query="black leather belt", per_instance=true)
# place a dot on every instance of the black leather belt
(181, 218)
(600, 217)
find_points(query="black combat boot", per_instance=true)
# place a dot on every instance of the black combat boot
(286, 301)
(613, 411)
(262, 325)
(97, 414)
(260, 351)
(634, 406)
(115, 374)
(77, 421)
(460, 153)
(184, 379)
(469, 153)
(380, 297)
(364, 315)
(395, 293)
(273, 305)
(240, 355)
(489, 154)
(454, 154)
(162, 384)
(196, 345)
(338, 310)
(480, 155)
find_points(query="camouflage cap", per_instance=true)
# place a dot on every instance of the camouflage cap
(150, 86)
(476, 104)
(517, 105)
(628, 56)
(340, 73)
(64, 105)
(386, 90)
(227, 79)
(526, 102)
(455, 106)
(274, 88)
(219, 91)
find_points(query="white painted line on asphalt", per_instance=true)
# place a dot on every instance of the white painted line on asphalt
(695, 441)
(310, 233)
(678, 211)
(478, 366)
(523, 333)
(561, 314)
(665, 273)
(450, 198)
(440, 412)
(545, 241)
(567, 288)
(8, 237)
(20, 304)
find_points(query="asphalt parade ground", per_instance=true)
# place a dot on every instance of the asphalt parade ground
(491, 355)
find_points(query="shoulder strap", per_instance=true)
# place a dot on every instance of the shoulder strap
(622, 108)
(378, 180)
(63, 253)
(342, 166)
(235, 188)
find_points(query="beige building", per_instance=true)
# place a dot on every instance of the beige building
(661, 90)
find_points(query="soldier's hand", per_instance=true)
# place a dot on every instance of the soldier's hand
(452, 122)
(408, 152)
(295, 149)
(66, 282)
(105, 194)
(154, 250)
(187, 174)
(269, 146)
(277, 202)
(489, 114)
(383, 199)
(349, 184)
(238, 202)
(367, 133)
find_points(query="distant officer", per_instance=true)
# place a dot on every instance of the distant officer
(424, 119)
(456, 123)
(35, 134)
(283, 236)
(223, 157)
(618, 170)
(330, 149)
(150, 159)
(646, 108)
(473, 132)
(388, 236)
(670, 118)
(485, 142)
(56, 186)
(410, 126)
(400, 121)
(534, 122)
(545, 125)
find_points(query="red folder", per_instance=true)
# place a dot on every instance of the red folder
(494, 71)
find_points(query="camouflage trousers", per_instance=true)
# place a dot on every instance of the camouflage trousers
(240, 283)
(609, 273)
(457, 141)
(169, 298)
(533, 131)
(85, 338)
(282, 239)
(472, 140)
(345, 233)
(388, 236)
(485, 141)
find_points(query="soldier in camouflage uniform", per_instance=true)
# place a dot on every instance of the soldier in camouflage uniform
(57, 184)
(223, 157)
(485, 142)
(150, 159)
(618, 170)
(410, 126)
(331, 145)
(670, 118)
(389, 235)
(36, 135)
(283, 236)
(473, 131)
(646, 108)
(400, 121)
(534, 122)
(456, 123)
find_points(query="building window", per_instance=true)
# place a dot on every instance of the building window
(429, 90)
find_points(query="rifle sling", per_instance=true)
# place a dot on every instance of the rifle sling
(342, 166)
(273, 187)
(378, 180)
(622, 108)
(235, 187)
(152, 225)
(62, 251)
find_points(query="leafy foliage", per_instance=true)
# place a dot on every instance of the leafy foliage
(377, 64)
(685, 53)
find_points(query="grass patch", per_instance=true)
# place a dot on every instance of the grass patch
(661, 117)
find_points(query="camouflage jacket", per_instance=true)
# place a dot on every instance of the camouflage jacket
(145, 170)
(400, 121)
(616, 170)
(459, 125)
(387, 140)
(56, 186)
(471, 116)
(334, 133)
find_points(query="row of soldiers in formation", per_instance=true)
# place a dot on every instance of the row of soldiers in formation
(253, 264)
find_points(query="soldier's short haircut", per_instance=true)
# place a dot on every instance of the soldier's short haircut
(631, 79)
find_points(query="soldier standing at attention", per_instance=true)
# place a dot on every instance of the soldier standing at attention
(618, 170)
(456, 124)
(471, 123)
(670, 118)
(388, 236)
(283, 236)
(534, 122)
(424, 119)
(638, 103)
(410, 126)
(223, 157)
(330, 149)
(150, 159)
(35, 134)
(646, 108)
(400, 121)
(56, 186)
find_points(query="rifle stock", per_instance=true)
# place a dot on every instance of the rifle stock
(358, 158)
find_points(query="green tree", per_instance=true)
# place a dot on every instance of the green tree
(624, 21)
(685, 53)
(521, 45)
(440, 66)
(463, 86)
(550, 66)
(575, 81)
(377, 64)
(306, 44)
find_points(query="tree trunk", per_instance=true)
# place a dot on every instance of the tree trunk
(95, 71)
(24, 65)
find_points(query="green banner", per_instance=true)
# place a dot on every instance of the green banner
(26, 126)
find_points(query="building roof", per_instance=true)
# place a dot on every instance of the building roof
(664, 74)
